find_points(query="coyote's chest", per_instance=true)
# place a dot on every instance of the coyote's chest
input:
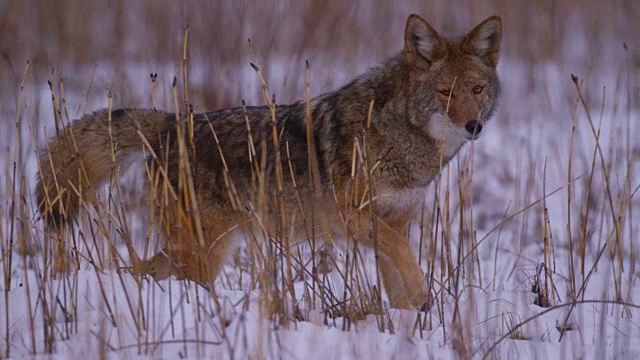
(400, 200)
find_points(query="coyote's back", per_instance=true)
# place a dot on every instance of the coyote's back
(373, 145)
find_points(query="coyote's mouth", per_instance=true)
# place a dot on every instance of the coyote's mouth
(472, 137)
(441, 128)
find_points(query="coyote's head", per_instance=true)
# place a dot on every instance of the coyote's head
(454, 84)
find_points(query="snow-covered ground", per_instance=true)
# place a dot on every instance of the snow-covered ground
(186, 323)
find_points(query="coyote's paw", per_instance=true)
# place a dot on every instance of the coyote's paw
(159, 267)
(421, 299)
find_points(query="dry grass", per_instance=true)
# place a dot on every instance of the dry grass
(573, 206)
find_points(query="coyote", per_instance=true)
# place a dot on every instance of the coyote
(371, 147)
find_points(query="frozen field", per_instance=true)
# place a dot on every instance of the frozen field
(543, 209)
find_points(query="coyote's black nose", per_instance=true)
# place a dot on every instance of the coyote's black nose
(474, 127)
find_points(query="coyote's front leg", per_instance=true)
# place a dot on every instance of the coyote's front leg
(402, 277)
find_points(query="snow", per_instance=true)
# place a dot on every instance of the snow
(187, 323)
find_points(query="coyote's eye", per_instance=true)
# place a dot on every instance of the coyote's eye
(445, 92)
(477, 89)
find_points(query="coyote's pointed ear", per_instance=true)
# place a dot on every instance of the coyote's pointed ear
(422, 44)
(484, 40)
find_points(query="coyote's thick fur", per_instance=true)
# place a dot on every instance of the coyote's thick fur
(372, 147)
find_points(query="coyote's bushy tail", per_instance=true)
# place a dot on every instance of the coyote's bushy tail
(82, 156)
